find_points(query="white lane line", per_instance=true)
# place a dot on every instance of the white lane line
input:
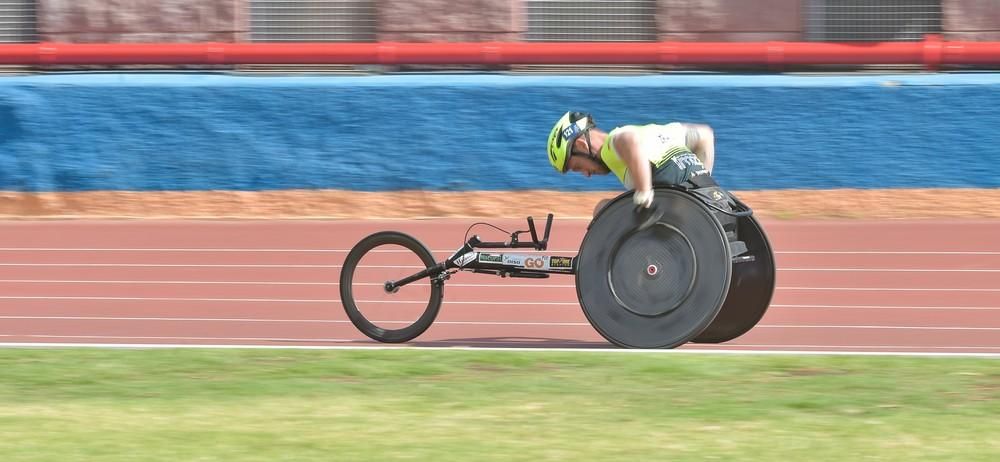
(569, 304)
(830, 326)
(417, 267)
(197, 265)
(164, 265)
(887, 289)
(444, 251)
(189, 249)
(472, 323)
(885, 252)
(887, 307)
(568, 346)
(713, 347)
(454, 302)
(139, 337)
(180, 299)
(155, 318)
(90, 281)
(278, 300)
(896, 270)
(364, 344)
(449, 284)
(577, 304)
(183, 299)
(304, 321)
(252, 250)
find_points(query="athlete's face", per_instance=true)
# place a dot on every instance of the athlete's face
(583, 163)
(580, 162)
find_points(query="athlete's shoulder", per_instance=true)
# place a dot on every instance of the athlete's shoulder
(624, 135)
(625, 129)
(652, 128)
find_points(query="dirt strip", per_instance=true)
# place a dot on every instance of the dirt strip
(315, 204)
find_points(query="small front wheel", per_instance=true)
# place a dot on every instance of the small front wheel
(390, 316)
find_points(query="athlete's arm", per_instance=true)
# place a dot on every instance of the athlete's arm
(629, 147)
(700, 139)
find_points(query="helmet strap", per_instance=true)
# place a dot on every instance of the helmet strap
(590, 150)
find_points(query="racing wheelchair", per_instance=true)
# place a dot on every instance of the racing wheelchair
(694, 267)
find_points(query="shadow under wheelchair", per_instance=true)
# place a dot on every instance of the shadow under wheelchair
(509, 342)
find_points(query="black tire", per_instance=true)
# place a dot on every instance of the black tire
(656, 287)
(347, 274)
(750, 291)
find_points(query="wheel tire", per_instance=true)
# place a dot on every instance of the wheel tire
(750, 291)
(658, 287)
(357, 318)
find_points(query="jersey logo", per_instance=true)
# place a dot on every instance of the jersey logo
(678, 155)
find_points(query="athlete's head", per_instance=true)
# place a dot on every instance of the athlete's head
(571, 147)
(567, 130)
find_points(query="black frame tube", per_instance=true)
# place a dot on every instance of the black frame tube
(475, 264)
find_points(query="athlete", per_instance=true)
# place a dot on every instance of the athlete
(639, 155)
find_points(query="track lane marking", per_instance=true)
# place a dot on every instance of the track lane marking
(275, 300)
(414, 267)
(307, 321)
(889, 289)
(444, 251)
(780, 288)
(896, 270)
(576, 304)
(888, 307)
(595, 346)
(476, 323)
(290, 283)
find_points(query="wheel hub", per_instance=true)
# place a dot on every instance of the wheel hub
(637, 277)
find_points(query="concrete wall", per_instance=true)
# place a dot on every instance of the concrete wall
(730, 20)
(977, 20)
(483, 132)
(140, 20)
(448, 21)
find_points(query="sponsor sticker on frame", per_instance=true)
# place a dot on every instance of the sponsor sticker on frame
(561, 262)
(490, 258)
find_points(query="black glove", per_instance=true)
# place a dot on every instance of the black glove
(647, 216)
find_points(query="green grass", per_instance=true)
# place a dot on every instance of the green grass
(295, 405)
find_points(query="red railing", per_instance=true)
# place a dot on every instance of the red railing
(931, 53)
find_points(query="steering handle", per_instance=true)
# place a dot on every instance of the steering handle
(542, 244)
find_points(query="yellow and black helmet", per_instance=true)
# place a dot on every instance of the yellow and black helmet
(569, 127)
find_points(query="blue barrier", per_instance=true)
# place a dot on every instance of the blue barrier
(82, 132)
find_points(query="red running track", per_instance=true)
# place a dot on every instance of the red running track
(843, 286)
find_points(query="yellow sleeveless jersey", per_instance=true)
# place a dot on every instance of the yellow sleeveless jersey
(660, 142)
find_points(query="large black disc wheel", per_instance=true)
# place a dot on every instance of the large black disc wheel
(750, 290)
(390, 316)
(655, 287)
